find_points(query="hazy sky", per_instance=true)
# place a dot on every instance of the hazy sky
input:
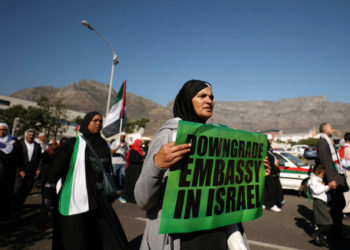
(247, 49)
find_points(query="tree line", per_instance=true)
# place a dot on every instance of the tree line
(49, 117)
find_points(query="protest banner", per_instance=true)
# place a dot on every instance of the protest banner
(219, 183)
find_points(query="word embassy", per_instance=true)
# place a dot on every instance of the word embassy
(242, 166)
(219, 182)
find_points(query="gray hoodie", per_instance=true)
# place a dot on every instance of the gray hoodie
(149, 192)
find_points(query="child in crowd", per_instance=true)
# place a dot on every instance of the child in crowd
(322, 217)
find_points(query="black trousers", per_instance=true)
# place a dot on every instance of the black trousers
(337, 205)
(21, 190)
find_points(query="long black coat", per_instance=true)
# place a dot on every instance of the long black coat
(8, 167)
(29, 167)
(132, 174)
(325, 159)
(273, 194)
(100, 226)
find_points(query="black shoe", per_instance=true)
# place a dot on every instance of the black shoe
(346, 216)
(318, 241)
(325, 241)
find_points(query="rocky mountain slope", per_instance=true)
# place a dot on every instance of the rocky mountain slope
(89, 95)
(290, 115)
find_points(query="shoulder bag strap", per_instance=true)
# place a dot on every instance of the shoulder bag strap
(99, 163)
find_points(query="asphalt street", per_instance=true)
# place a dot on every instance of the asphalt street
(289, 229)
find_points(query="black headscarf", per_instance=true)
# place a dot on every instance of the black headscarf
(85, 123)
(97, 142)
(183, 106)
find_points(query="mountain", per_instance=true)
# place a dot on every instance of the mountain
(290, 115)
(89, 95)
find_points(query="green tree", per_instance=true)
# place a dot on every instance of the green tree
(141, 123)
(309, 141)
(131, 126)
(33, 118)
(53, 116)
(10, 114)
(29, 118)
(291, 142)
(77, 120)
(279, 141)
(47, 116)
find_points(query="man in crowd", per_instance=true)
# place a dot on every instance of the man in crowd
(273, 195)
(344, 155)
(31, 152)
(328, 157)
(42, 141)
(119, 151)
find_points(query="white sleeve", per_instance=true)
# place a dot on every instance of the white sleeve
(114, 144)
(317, 188)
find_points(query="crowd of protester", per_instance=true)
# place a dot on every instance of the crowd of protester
(70, 174)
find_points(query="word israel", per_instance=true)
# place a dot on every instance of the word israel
(229, 169)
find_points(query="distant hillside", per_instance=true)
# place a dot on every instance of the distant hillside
(290, 115)
(90, 95)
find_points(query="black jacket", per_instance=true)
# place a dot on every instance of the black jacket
(30, 166)
(325, 159)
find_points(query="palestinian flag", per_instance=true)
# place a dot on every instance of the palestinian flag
(73, 197)
(116, 115)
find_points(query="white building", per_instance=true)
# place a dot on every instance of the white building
(298, 136)
(70, 127)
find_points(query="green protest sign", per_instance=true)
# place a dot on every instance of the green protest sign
(220, 183)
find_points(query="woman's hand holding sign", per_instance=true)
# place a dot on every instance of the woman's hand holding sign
(170, 153)
(267, 166)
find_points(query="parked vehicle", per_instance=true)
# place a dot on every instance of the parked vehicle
(279, 149)
(293, 170)
(298, 150)
(310, 153)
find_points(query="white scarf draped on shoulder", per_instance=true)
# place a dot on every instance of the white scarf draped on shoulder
(73, 197)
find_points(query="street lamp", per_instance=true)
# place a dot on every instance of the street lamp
(115, 60)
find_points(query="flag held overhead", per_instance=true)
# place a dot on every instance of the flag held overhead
(115, 121)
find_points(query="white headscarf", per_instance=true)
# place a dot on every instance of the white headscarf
(6, 143)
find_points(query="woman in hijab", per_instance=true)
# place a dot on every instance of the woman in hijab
(85, 218)
(134, 161)
(273, 193)
(9, 160)
(194, 103)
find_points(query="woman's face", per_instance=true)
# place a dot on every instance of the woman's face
(203, 103)
(95, 124)
(3, 131)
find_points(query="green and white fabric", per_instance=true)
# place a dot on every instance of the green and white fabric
(74, 197)
(335, 156)
(115, 121)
